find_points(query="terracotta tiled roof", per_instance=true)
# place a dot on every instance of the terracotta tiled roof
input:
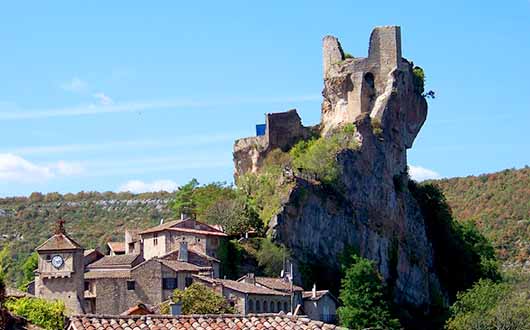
(192, 254)
(117, 246)
(184, 226)
(308, 295)
(90, 275)
(199, 322)
(240, 286)
(140, 309)
(277, 283)
(59, 242)
(180, 266)
(119, 261)
(16, 293)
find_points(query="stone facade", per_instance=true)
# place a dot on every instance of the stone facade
(282, 131)
(61, 281)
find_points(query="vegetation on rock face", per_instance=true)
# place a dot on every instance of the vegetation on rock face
(49, 315)
(498, 204)
(271, 257)
(461, 254)
(362, 296)
(199, 299)
(318, 157)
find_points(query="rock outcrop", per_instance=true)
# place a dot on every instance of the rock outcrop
(373, 212)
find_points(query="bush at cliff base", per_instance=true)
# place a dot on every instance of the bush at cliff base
(361, 294)
(489, 305)
(198, 299)
(46, 314)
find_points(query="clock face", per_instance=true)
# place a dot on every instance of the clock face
(57, 261)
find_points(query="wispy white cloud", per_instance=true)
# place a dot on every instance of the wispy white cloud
(125, 107)
(186, 140)
(103, 99)
(75, 85)
(419, 173)
(16, 169)
(138, 186)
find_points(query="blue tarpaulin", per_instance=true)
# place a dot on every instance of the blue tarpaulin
(260, 129)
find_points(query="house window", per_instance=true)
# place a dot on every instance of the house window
(130, 285)
(87, 286)
(48, 257)
(265, 309)
(285, 307)
(155, 239)
(258, 306)
(272, 307)
(189, 281)
(169, 283)
(279, 306)
(131, 247)
(250, 306)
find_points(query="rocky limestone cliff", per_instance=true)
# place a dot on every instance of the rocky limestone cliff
(373, 212)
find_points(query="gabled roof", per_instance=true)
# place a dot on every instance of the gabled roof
(192, 254)
(16, 293)
(118, 261)
(240, 286)
(308, 295)
(214, 322)
(186, 226)
(117, 246)
(274, 283)
(59, 242)
(180, 266)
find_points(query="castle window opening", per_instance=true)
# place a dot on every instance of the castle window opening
(155, 239)
(87, 286)
(130, 285)
(370, 80)
(48, 257)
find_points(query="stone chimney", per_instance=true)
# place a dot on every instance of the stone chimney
(183, 252)
(182, 216)
(175, 308)
(250, 279)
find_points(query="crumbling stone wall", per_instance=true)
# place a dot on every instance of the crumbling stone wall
(283, 130)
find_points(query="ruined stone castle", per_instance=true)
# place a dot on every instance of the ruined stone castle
(373, 211)
(352, 86)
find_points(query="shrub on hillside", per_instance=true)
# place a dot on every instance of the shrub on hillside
(43, 313)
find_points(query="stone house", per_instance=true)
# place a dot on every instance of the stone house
(60, 272)
(93, 283)
(115, 283)
(116, 248)
(248, 298)
(162, 239)
(320, 305)
(281, 284)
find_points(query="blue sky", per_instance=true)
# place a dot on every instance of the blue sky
(105, 95)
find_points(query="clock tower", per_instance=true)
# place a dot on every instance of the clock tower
(60, 274)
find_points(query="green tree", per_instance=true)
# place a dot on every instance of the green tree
(43, 313)
(362, 296)
(183, 201)
(271, 257)
(6, 261)
(199, 299)
(490, 306)
(194, 200)
(28, 270)
(237, 216)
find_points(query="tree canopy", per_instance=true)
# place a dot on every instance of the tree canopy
(199, 299)
(362, 296)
